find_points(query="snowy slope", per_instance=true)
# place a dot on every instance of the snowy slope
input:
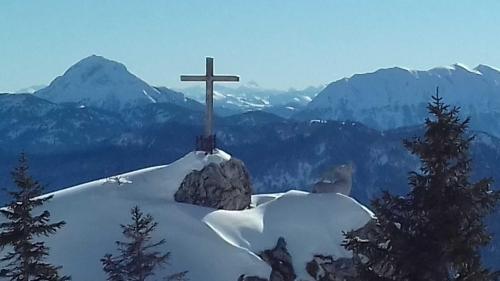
(99, 82)
(212, 244)
(396, 97)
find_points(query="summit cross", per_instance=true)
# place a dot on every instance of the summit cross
(208, 139)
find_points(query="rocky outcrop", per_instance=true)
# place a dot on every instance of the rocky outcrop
(321, 268)
(280, 261)
(326, 268)
(220, 186)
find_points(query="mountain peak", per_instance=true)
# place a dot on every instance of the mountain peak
(486, 69)
(100, 82)
(395, 70)
(93, 60)
(463, 67)
(95, 67)
(103, 83)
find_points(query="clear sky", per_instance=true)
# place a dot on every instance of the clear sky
(278, 44)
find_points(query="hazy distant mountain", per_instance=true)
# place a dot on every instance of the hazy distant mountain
(30, 90)
(396, 97)
(98, 82)
(250, 97)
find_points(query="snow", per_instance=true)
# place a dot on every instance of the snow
(292, 216)
(456, 66)
(216, 245)
(148, 96)
(314, 121)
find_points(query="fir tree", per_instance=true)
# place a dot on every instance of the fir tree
(436, 231)
(138, 258)
(26, 254)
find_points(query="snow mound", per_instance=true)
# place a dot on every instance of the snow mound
(216, 245)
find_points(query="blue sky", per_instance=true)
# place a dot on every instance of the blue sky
(278, 44)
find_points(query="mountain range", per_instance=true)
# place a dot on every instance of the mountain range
(385, 99)
(397, 97)
(251, 97)
(97, 104)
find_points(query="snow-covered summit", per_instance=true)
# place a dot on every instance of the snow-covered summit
(211, 244)
(100, 82)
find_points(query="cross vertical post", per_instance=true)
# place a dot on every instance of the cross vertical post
(206, 142)
(209, 99)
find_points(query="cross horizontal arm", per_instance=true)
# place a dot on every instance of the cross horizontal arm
(193, 78)
(226, 78)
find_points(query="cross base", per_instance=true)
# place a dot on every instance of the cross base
(205, 143)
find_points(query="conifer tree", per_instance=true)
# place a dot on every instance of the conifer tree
(21, 231)
(436, 231)
(138, 258)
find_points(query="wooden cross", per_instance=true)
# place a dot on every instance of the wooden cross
(209, 79)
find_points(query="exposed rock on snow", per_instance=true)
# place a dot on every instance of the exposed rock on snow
(326, 268)
(280, 261)
(321, 268)
(219, 186)
(243, 277)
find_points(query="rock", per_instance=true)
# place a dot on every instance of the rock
(280, 261)
(336, 180)
(243, 277)
(326, 268)
(321, 268)
(220, 186)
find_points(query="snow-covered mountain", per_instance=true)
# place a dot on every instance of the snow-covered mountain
(396, 97)
(98, 82)
(385, 99)
(213, 245)
(251, 97)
